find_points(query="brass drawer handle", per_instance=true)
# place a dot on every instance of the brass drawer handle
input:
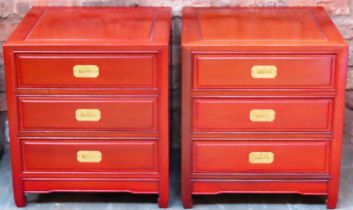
(86, 71)
(263, 72)
(261, 157)
(262, 115)
(91, 115)
(89, 156)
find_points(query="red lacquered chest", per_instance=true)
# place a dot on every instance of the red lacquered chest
(262, 102)
(87, 93)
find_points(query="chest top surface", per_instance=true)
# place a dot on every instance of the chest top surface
(296, 26)
(116, 25)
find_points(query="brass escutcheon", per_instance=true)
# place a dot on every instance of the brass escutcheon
(89, 156)
(261, 157)
(92, 115)
(263, 72)
(262, 115)
(86, 71)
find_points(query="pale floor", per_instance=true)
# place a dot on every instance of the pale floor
(117, 201)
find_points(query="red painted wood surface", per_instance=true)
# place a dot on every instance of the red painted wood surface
(311, 187)
(233, 156)
(116, 156)
(217, 115)
(116, 113)
(115, 70)
(220, 47)
(141, 186)
(130, 48)
(234, 71)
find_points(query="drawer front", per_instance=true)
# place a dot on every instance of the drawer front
(88, 113)
(89, 155)
(105, 70)
(260, 156)
(231, 71)
(262, 115)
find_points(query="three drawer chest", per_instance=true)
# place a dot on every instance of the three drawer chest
(262, 102)
(87, 92)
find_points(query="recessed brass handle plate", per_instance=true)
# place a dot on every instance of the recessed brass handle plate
(262, 115)
(261, 157)
(84, 156)
(264, 72)
(86, 71)
(90, 115)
